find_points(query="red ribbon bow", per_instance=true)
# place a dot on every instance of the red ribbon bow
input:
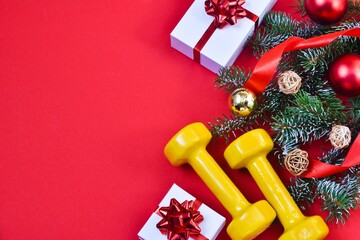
(180, 221)
(225, 11)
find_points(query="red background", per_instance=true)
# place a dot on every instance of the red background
(90, 92)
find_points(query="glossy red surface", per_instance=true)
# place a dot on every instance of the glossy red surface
(344, 75)
(326, 11)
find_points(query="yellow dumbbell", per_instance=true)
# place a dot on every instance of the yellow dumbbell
(189, 146)
(249, 151)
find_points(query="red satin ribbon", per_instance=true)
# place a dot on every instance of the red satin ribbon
(267, 65)
(253, 17)
(180, 221)
(225, 12)
(319, 170)
(265, 70)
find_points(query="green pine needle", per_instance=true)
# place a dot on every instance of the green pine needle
(333, 156)
(339, 197)
(354, 108)
(306, 116)
(228, 127)
(302, 191)
(231, 78)
(268, 36)
(308, 120)
(353, 9)
(313, 60)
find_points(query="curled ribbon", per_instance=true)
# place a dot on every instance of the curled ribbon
(265, 70)
(319, 169)
(267, 65)
(225, 11)
(180, 221)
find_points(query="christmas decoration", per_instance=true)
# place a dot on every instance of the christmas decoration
(344, 75)
(307, 116)
(326, 11)
(261, 76)
(296, 161)
(322, 169)
(242, 102)
(249, 151)
(211, 36)
(340, 136)
(189, 146)
(182, 221)
(289, 82)
(225, 12)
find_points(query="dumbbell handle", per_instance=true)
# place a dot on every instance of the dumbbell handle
(218, 182)
(275, 191)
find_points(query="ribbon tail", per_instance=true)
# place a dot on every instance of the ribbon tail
(267, 65)
(319, 170)
(353, 156)
(324, 40)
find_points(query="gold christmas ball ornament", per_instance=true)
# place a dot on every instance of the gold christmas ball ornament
(296, 162)
(340, 136)
(289, 82)
(242, 102)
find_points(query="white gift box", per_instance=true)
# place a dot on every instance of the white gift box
(224, 45)
(210, 226)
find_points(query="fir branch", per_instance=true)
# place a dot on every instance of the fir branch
(269, 35)
(312, 83)
(304, 122)
(279, 26)
(353, 9)
(279, 22)
(273, 101)
(303, 117)
(302, 191)
(334, 106)
(293, 129)
(309, 104)
(353, 111)
(289, 61)
(227, 127)
(339, 197)
(231, 78)
(300, 6)
(345, 25)
(355, 171)
(346, 44)
(314, 60)
(354, 108)
(332, 157)
(317, 60)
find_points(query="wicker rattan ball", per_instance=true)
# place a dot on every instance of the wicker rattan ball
(340, 136)
(296, 162)
(289, 82)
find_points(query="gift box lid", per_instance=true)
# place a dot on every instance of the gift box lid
(210, 226)
(224, 45)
